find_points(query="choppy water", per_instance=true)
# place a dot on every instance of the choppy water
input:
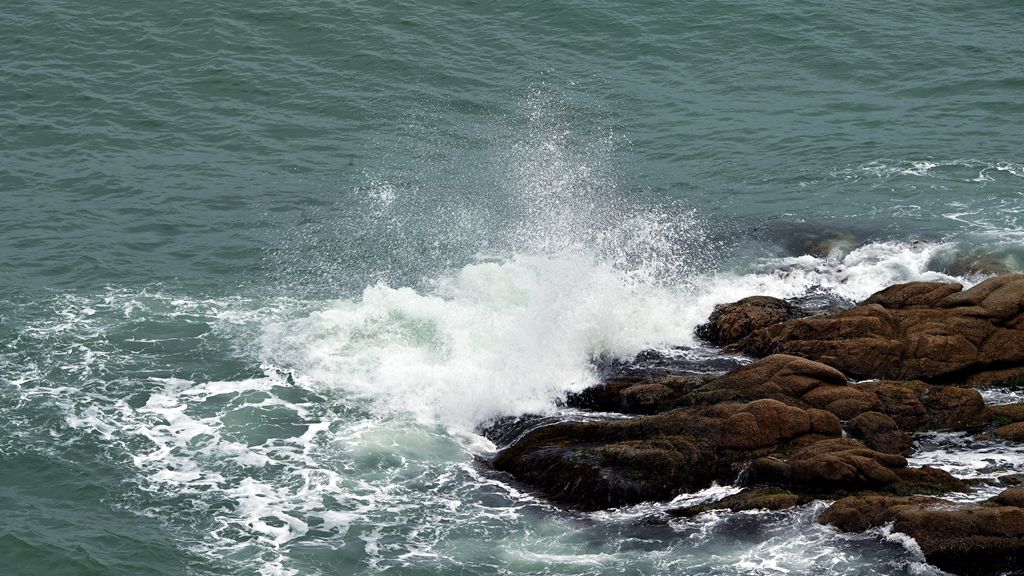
(266, 268)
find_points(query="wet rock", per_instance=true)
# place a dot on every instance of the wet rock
(1008, 412)
(1013, 432)
(954, 408)
(968, 539)
(603, 464)
(916, 406)
(1010, 497)
(880, 432)
(1011, 480)
(730, 323)
(779, 377)
(915, 331)
(990, 378)
(637, 394)
(846, 465)
(913, 295)
(977, 264)
(748, 499)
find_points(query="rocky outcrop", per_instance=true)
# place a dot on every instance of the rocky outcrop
(1004, 377)
(612, 463)
(880, 432)
(1014, 432)
(1008, 412)
(637, 395)
(934, 332)
(843, 464)
(730, 323)
(805, 383)
(966, 539)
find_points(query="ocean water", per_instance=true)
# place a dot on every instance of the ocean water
(268, 269)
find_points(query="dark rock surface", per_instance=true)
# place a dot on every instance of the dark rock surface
(842, 465)
(966, 539)
(1008, 412)
(602, 464)
(748, 499)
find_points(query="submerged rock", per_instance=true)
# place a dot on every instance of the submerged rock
(917, 331)
(968, 539)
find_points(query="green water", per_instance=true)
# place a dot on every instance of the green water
(266, 267)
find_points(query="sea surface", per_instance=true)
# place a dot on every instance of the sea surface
(269, 269)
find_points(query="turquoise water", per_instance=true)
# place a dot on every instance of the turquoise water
(266, 269)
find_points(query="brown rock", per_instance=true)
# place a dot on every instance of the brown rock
(1010, 497)
(843, 401)
(732, 322)
(913, 295)
(612, 463)
(919, 330)
(990, 378)
(646, 398)
(880, 432)
(953, 408)
(807, 384)
(844, 464)
(967, 539)
(637, 395)
(779, 377)
(977, 264)
(1013, 431)
(1009, 412)
(900, 401)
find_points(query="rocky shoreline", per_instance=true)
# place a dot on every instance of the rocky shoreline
(827, 411)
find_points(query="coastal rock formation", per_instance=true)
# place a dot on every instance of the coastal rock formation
(730, 323)
(637, 395)
(844, 464)
(792, 426)
(966, 539)
(805, 383)
(1009, 412)
(612, 463)
(927, 331)
(880, 432)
